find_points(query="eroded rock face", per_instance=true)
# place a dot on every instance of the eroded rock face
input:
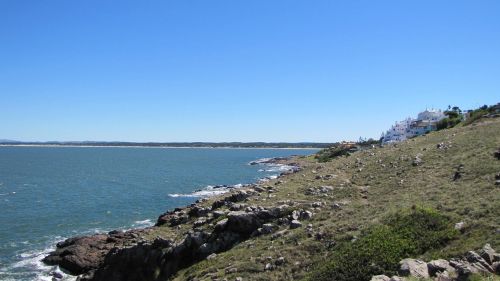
(82, 254)
(125, 256)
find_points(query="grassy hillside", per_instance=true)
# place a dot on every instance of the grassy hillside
(450, 171)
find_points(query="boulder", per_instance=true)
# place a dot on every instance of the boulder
(243, 222)
(487, 253)
(279, 261)
(295, 224)
(267, 228)
(413, 267)
(80, 254)
(197, 211)
(478, 262)
(305, 215)
(438, 266)
(496, 267)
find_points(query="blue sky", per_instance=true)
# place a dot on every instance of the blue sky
(255, 70)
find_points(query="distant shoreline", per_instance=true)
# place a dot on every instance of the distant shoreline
(150, 146)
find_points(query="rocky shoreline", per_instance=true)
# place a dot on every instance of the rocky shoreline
(141, 254)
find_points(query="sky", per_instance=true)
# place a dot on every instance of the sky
(247, 70)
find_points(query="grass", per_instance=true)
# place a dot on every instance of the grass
(370, 186)
(381, 247)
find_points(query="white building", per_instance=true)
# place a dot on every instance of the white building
(426, 122)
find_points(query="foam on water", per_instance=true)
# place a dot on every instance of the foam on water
(208, 191)
(29, 265)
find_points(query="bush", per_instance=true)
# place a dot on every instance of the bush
(381, 247)
(476, 115)
(328, 154)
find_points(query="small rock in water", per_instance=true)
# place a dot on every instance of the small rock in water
(56, 275)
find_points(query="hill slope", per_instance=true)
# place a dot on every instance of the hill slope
(451, 171)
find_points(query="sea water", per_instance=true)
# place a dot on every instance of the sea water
(48, 194)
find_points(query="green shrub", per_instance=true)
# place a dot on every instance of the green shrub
(328, 154)
(427, 228)
(476, 115)
(381, 247)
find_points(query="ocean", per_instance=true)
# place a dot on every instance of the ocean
(48, 194)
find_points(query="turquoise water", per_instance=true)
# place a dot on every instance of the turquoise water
(51, 193)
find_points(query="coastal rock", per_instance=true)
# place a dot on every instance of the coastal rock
(80, 254)
(172, 218)
(197, 211)
(243, 222)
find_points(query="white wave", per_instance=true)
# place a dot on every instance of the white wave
(31, 264)
(143, 223)
(208, 191)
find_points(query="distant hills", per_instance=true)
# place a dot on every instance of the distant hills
(173, 144)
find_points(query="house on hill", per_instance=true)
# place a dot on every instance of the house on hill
(425, 122)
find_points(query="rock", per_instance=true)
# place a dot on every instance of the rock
(211, 256)
(438, 266)
(459, 225)
(200, 222)
(295, 224)
(268, 267)
(231, 270)
(279, 234)
(243, 222)
(497, 154)
(413, 267)
(317, 204)
(237, 207)
(56, 275)
(259, 189)
(280, 261)
(218, 214)
(496, 267)
(380, 278)
(478, 262)
(239, 279)
(305, 215)
(295, 215)
(463, 271)
(280, 211)
(267, 228)
(220, 225)
(417, 161)
(336, 206)
(487, 253)
(80, 254)
(197, 211)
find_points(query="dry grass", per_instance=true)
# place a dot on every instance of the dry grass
(369, 185)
